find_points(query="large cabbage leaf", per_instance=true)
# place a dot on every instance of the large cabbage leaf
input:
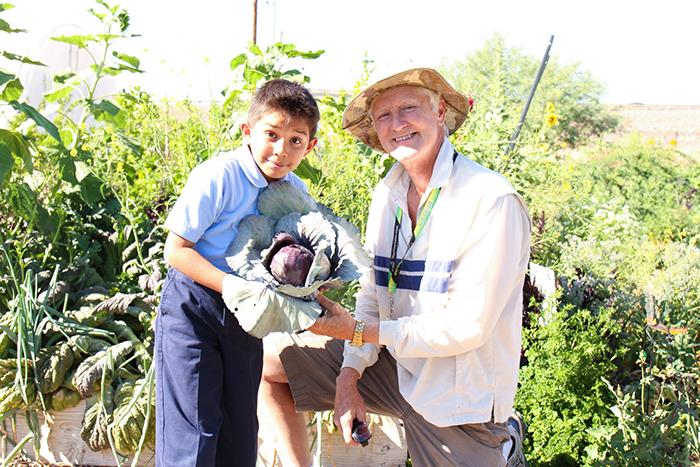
(263, 303)
(261, 310)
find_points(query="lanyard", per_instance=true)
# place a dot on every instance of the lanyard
(394, 263)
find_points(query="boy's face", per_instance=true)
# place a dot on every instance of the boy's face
(278, 143)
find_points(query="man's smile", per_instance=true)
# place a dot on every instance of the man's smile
(399, 139)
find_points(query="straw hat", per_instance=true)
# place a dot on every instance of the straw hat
(356, 118)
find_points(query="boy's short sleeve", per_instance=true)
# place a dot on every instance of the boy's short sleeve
(199, 204)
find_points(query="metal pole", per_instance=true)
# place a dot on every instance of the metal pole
(543, 64)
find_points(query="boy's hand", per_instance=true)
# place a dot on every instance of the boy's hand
(336, 323)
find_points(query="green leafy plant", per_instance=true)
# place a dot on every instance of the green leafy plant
(561, 392)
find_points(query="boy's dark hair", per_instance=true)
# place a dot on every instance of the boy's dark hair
(286, 96)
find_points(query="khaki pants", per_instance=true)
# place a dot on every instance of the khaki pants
(312, 364)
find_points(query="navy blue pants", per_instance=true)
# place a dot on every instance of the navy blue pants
(207, 376)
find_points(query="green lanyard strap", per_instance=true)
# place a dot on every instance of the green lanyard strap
(394, 264)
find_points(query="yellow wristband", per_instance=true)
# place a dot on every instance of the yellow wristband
(357, 340)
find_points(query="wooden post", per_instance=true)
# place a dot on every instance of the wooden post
(255, 21)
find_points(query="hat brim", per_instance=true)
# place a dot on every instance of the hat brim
(356, 118)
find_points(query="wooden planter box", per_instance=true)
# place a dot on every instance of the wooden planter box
(386, 448)
(61, 442)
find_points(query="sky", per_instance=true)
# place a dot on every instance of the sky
(642, 51)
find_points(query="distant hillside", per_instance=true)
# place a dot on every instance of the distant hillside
(665, 124)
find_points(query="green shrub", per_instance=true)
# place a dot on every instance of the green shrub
(658, 187)
(561, 392)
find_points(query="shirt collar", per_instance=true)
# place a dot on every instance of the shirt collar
(443, 165)
(251, 169)
(396, 180)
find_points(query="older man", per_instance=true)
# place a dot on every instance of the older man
(435, 339)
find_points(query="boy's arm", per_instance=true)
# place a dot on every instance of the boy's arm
(180, 254)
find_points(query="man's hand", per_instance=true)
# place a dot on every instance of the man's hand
(336, 323)
(348, 403)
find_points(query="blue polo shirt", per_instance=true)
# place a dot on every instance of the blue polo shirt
(218, 194)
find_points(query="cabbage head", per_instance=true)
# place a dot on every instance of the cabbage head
(283, 255)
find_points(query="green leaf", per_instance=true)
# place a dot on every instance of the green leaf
(253, 47)
(90, 185)
(124, 20)
(19, 58)
(108, 70)
(67, 136)
(263, 311)
(115, 70)
(63, 77)
(5, 27)
(16, 145)
(280, 199)
(130, 69)
(308, 172)
(20, 446)
(238, 60)
(231, 97)
(129, 59)
(91, 189)
(284, 48)
(6, 6)
(58, 93)
(132, 144)
(107, 37)
(40, 120)
(97, 15)
(12, 91)
(82, 170)
(106, 111)
(308, 55)
(105, 5)
(67, 166)
(6, 163)
(5, 77)
(107, 106)
(252, 76)
(79, 40)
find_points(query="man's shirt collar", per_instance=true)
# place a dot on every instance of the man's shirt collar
(396, 178)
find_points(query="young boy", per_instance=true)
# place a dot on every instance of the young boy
(207, 368)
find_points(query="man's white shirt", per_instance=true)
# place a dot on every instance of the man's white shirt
(455, 324)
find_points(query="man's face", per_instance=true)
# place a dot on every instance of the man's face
(406, 123)
(278, 143)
